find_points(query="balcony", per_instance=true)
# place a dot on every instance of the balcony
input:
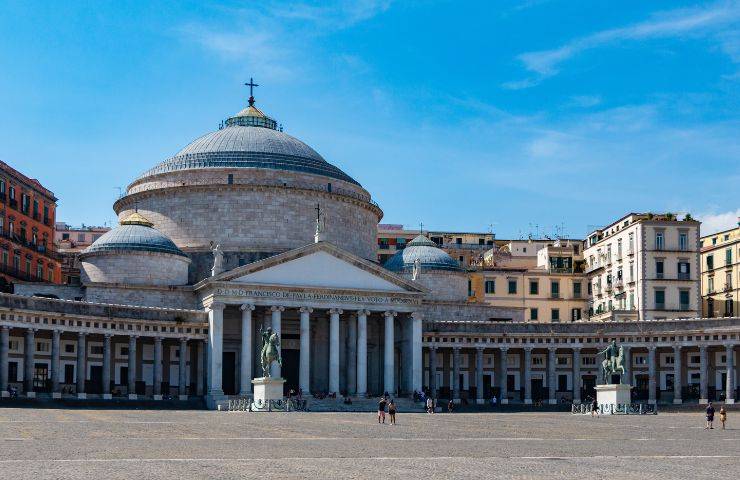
(555, 295)
(594, 266)
(20, 275)
(631, 251)
(561, 270)
(728, 288)
(619, 283)
(684, 276)
(660, 306)
(608, 287)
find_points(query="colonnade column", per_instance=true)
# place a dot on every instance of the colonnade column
(479, 375)
(730, 387)
(277, 320)
(362, 352)
(351, 367)
(81, 364)
(30, 349)
(334, 349)
(703, 375)
(4, 346)
(304, 367)
(245, 356)
(182, 365)
(627, 364)
(132, 367)
(388, 354)
(677, 384)
(433, 372)
(417, 358)
(576, 375)
(504, 375)
(551, 377)
(651, 375)
(456, 374)
(106, 366)
(215, 349)
(200, 367)
(55, 363)
(157, 390)
(527, 366)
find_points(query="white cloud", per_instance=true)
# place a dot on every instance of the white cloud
(717, 20)
(717, 222)
(585, 101)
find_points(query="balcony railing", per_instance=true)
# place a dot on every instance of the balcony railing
(19, 274)
(684, 276)
(618, 283)
(561, 270)
(466, 246)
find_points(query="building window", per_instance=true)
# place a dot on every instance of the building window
(710, 262)
(659, 270)
(728, 256)
(13, 371)
(490, 286)
(230, 179)
(69, 348)
(684, 300)
(555, 315)
(96, 350)
(728, 281)
(576, 289)
(533, 313)
(534, 287)
(660, 299)
(40, 271)
(683, 241)
(659, 241)
(710, 284)
(576, 314)
(512, 287)
(42, 347)
(555, 289)
(684, 271)
(50, 275)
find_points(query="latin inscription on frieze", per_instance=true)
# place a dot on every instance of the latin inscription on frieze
(314, 296)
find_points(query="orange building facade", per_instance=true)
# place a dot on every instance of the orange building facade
(27, 214)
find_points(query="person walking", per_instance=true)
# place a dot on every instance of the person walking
(723, 416)
(430, 405)
(381, 410)
(392, 412)
(710, 417)
(594, 408)
(450, 406)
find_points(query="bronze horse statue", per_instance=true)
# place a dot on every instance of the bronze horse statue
(270, 351)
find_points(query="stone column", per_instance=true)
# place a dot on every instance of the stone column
(4, 347)
(182, 365)
(527, 366)
(730, 386)
(276, 323)
(652, 369)
(389, 354)
(504, 375)
(304, 369)
(433, 372)
(157, 389)
(479, 375)
(55, 363)
(576, 375)
(417, 359)
(551, 376)
(215, 352)
(351, 368)
(28, 366)
(362, 352)
(627, 365)
(106, 366)
(81, 364)
(703, 375)
(334, 349)
(245, 356)
(132, 367)
(200, 375)
(456, 374)
(677, 383)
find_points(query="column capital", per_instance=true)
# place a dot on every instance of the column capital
(479, 349)
(33, 330)
(4, 327)
(336, 311)
(107, 336)
(576, 349)
(456, 349)
(246, 307)
(528, 348)
(504, 348)
(184, 339)
(134, 336)
(677, 348)
(157, 339)
(432, 348)
(551, 349)
(729, 346)
(217, 306)
(364, 312)
(652, 348)
(277, 308)
(417, 315)
(306, 310)
(390, 313)
(81, 334)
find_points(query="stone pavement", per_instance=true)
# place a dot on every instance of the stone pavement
(67, 443)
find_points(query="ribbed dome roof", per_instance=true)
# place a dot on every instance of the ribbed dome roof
(429, 255)
(250, 139)
(134, 234)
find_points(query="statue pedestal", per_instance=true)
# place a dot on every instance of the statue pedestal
(267, 388)
(618, 394)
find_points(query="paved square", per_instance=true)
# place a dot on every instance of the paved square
(201, 444)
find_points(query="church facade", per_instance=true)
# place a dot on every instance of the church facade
(248, 227)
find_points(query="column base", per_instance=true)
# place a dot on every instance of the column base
(56, 395)
(504, 401)
(703, 400)
(107, 396)
(214, 398)
(30, 394)
(652, 401)
(82, 396)
(182, 398)
(132, 396)
(527, 401)
(157, 397)
(677, 401)
(552, 401)
(730, 401)
(480, 401)
(4, 394)
(456, 401)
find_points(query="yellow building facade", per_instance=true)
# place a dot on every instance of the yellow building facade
(720, 271)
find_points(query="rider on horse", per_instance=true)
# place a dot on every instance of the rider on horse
(270, 352)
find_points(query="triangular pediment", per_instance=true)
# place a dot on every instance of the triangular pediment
(320, 265)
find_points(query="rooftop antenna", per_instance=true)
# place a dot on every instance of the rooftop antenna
(421, 228)
(120, 191)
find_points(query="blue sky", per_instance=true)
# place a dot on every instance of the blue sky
(524, 115)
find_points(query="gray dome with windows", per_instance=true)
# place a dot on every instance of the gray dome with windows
(250, 139)
(429, 255)
(134, 234)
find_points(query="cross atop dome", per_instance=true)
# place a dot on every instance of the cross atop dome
(251, 86)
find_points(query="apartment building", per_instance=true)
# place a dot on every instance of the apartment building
(70, 241)
(543, 277)
(720, 271)
(644, 266)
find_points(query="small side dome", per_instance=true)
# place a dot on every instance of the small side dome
(134, 253)
(426, 251)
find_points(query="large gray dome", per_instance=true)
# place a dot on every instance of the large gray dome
(429, 255)
(250, 140)
(134, 234)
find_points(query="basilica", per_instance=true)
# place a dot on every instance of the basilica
(247, 228)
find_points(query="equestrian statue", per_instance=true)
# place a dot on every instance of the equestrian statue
(270, 351)
(613, 362)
